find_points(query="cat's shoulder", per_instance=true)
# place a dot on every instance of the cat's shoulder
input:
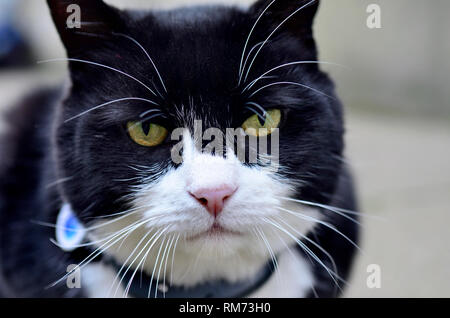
(25, 123)
(24, 144)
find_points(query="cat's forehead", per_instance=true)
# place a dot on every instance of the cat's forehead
(201, 32)
(192, 21)
(199, 59)
(196, 50)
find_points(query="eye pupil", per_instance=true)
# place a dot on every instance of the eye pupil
(146, 134)
(146, 128)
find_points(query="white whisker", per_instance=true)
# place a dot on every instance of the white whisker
(248, 56)
(261, 117)
(124, 214)
(242, 67)
(161, 264)
(305, 248)
(151, 241)
(148, 56)
(122, 233)
(309, 218)
(272, 254)
(173, 258)
(58, 182)
(154, 268)
(337, 210)
(149, 112)
(273, 32)
(91, 243)
(165, 266)
(126, 262)
(100, 65)
(109, 103)
(325, 252)
(144, 259)
(252, 83)
(291, 83)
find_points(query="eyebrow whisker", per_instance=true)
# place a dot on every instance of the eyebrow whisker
(109, 103)
(146, 53)
(149, 112)
(242, 66)
(272, 33)
(258, 106)
(257, 113)
(151, 117)
(291, 83)
(100, 65)
(252, 83)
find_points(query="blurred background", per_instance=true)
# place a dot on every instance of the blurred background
(396, 90)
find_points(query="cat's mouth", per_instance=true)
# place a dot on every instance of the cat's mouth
(216, 230)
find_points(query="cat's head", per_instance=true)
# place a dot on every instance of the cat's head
(138, 76)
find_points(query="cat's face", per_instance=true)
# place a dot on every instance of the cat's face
(169, 69)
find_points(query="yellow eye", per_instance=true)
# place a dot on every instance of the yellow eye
(155, 136)
(254, 127)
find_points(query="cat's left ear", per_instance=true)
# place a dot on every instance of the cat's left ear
(295, 16)
(83, 24)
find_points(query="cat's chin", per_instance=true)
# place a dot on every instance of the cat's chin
(232, 267)
(217, 250)
(210, 255)
(215, 232)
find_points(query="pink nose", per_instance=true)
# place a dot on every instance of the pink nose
(214, 199)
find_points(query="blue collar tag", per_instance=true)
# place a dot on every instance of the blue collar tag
(69, 231)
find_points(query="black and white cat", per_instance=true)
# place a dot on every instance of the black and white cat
(100, 152)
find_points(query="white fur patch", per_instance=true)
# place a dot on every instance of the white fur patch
(97, 279)
(293, 279)
(173, 213)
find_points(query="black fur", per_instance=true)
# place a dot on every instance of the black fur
(197, 51)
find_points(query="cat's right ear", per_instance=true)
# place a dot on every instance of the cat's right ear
(83, 24)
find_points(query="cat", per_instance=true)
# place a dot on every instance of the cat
(97, 153)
